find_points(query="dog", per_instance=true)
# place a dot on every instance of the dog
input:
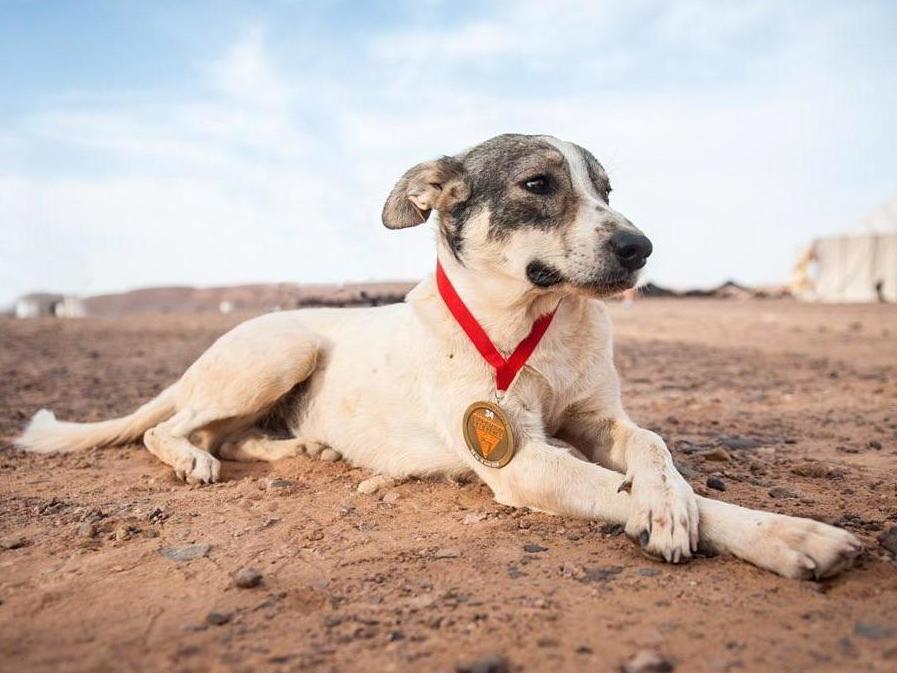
(524, 230)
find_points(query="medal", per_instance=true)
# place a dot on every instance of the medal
(488, 434)
(486, 428)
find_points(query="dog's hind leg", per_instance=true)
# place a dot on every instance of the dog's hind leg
(169, 442)
(255, 446)
(239, 379)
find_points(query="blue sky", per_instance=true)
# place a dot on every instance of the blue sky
(225, 142)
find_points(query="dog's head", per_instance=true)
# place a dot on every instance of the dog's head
(530, 207)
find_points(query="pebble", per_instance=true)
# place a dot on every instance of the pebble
(330, 456)
(448, 552)
(391, 498)
(278, 484)
(316, 534)
(87, 529)
(186, 553)
(493, 664)
(888, 539)
(601, 573)
(14, 542)
(218, 618)
(247, 578)
(872, 631)
(123, 533)
(647, 661)
(374, 484)
(534, 548)
(716, 483)
(782, 492)
(716, 455)
(816, 470)
(473, 517)
(739, 443)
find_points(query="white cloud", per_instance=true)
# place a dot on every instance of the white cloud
(272, 173)
(247, 76)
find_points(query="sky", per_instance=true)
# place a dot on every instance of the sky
(224, 142)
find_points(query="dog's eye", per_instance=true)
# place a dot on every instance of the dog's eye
(539, 184)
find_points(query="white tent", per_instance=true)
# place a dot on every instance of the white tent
(859, 266)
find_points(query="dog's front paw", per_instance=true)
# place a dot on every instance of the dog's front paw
(801, 548)
(663, 515)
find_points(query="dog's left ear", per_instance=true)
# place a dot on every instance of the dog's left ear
(433, 185)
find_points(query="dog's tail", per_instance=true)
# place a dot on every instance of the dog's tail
(45, 434)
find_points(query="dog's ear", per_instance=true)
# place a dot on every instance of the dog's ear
(433, 185)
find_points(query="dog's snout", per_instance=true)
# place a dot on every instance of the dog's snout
(631, 249)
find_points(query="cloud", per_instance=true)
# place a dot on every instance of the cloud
(246, 75)
(732, 133)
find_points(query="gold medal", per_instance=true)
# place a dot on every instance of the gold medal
(488, 434)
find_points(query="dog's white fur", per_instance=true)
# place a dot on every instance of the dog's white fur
(387, 387)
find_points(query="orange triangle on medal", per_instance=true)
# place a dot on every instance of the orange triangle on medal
(488, 432)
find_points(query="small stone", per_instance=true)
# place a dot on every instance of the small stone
(448, 552)
(247, 578)
(888, 539)
(782, 492)
(278, 484)
(123, 533)
(87, 530)
(872, 631)
(716, 483)
(716, 455)
(647, 661)
(330, 456)
(493, 664)
(391, 498)
(189, 552)
(316, 534)
(601, 573)
(739, 443)
(14, 542)
(815, 470)
(534, 548)
(218, 618)
(612, 529)
(473, 517)
(874, 444)
(374, 484)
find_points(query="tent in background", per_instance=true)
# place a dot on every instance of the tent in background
(859, 266)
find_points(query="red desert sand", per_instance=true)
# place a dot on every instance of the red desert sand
(108, 563)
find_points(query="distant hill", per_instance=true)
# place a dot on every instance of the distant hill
(263, 297)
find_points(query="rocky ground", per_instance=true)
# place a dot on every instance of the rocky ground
(108, 563)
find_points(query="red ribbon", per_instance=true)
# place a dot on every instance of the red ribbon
(505, 369)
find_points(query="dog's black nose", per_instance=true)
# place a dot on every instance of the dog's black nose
(631, 249)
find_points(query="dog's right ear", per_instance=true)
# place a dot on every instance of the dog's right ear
(433, 185)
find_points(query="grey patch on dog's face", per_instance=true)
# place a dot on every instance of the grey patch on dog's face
(499, 171)
(597, 174)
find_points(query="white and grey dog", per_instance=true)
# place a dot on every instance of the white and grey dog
(523, 221)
